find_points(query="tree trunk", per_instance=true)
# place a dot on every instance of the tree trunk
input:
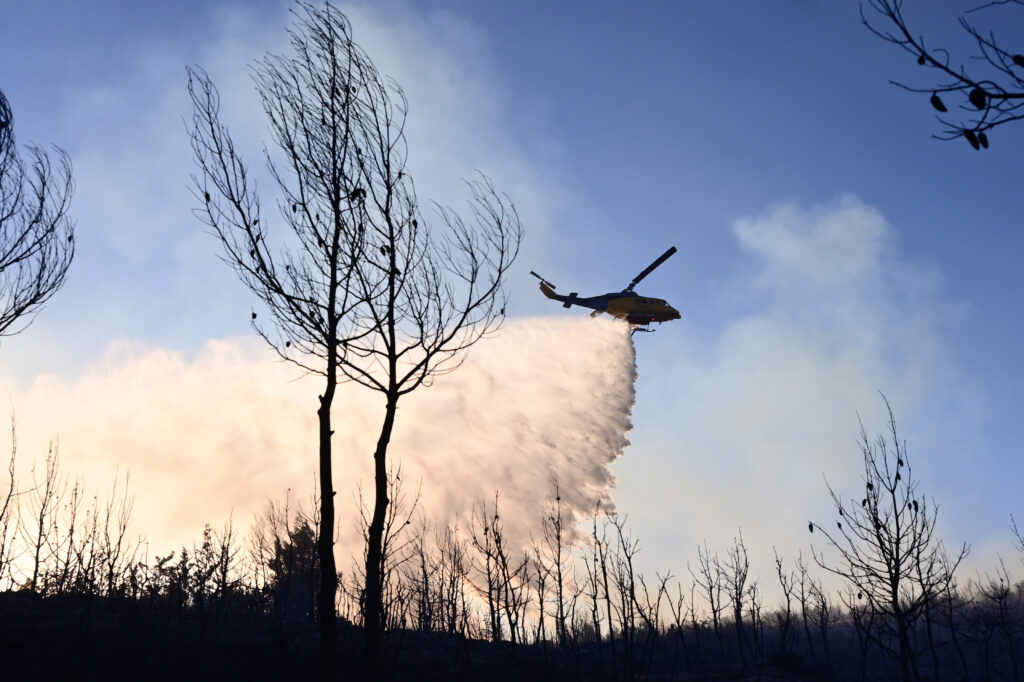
(740, 639)
(328, 570)
(905, 650)
(931, 638)
(372, 616)
(953, 636)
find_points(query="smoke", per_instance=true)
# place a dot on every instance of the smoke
(217, 434)
(746, 422)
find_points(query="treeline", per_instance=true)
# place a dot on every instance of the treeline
(576, 605)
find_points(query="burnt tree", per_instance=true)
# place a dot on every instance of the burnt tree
(886, 548)
(362, 289)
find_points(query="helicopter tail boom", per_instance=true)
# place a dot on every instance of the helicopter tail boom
(548, 289)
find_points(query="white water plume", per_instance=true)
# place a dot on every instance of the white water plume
(548, 399)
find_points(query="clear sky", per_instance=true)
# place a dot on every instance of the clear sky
(829, 248)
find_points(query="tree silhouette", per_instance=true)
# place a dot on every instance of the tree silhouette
(108, 601)
(364, 291)
(735, 570)
(294, 568)
(886, 545)
(37, 237)
(990, 93)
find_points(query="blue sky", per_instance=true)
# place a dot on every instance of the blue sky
(828, 246)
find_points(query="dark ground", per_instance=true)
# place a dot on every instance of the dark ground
(78, 638)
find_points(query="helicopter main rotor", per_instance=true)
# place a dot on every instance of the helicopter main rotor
(650, 268)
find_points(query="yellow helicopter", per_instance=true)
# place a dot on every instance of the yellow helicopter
(639, 311)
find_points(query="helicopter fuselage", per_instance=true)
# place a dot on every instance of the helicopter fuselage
(624, 305)
(638, 309)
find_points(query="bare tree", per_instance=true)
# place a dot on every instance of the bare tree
(119, 550)
(45, 499)
(624, 580)
(991, 92)
(886, 541)
(600, 563)
(823, 616)
(365, 291)
(757, 627)
(9, 512)
(680, 611)
(65, 571)
(952, 605)
(37, 236)
(999, 600)
(805, 586)
(396, 545)
(423, 302)
(554, 562)
(452, 575)
(783, 618)
(489, 581)
(861, 617)
(504, 579)
(305, 286)
(735, 571)
(709, 579)
(649, 611)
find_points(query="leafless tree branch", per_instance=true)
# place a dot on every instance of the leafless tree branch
(992, 94)
(37, 237)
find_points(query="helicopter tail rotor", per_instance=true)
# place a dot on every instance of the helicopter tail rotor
(542, 280)
(546, 287)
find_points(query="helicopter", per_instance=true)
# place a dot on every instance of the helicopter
(637, 310)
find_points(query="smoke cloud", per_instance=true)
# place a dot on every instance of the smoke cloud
(740, 428)
(548, 399)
